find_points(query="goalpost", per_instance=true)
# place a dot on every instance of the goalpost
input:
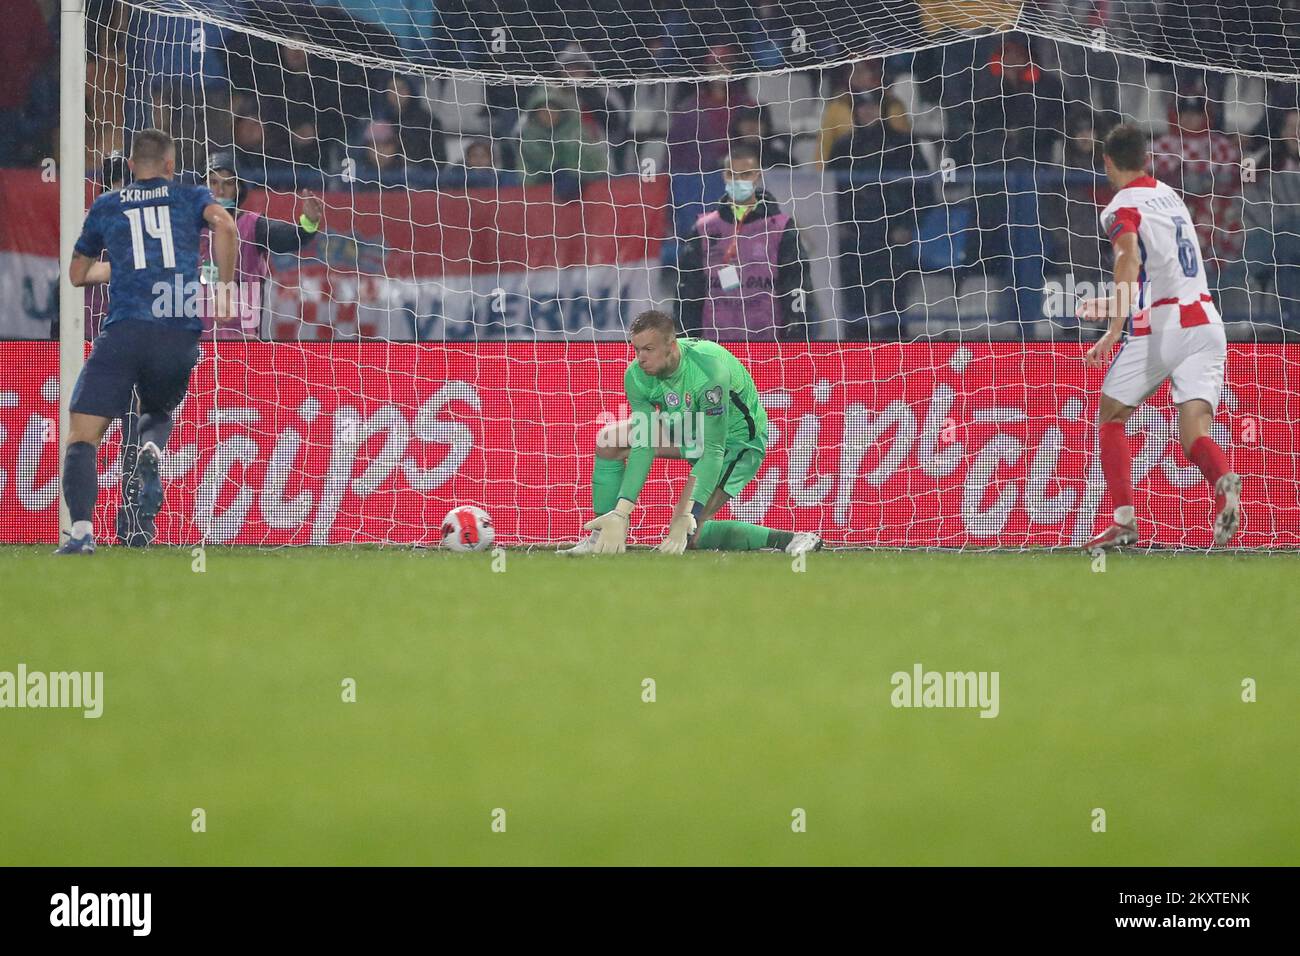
(72, 198)
(507, 185)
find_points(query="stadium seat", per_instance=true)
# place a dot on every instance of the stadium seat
(927, 118)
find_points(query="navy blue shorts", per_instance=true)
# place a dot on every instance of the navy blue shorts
(132, 354)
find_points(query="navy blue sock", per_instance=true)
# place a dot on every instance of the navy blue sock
(155, 427)
(80, 483)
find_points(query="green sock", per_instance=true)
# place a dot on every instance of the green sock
(606, 477)
(779, 539)
(735, 536)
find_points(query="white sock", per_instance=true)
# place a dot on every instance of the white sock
(1124, 514)
(82, 528)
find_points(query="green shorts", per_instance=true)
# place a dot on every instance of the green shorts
(740, 463)
(738, 469)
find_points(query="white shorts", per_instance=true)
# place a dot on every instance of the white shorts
(1192, 358)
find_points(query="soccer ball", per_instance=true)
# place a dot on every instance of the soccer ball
(467, 529)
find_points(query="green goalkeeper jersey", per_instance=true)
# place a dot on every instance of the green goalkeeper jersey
(709, 406)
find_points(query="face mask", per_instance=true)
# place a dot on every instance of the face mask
(740, 190)
(228, 203)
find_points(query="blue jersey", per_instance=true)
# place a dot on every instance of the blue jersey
(151, 231)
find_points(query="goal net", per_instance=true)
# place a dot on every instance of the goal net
(507, 184)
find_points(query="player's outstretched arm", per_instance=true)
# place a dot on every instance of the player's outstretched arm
(1117, 307)
(281, 237)
(225, 240)
(82, 269)
(87, 271)
(613, 527)
(225, 246)
(690, 510)
(682, 525)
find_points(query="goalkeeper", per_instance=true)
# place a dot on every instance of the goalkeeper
(688, 399)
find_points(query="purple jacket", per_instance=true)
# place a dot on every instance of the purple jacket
(739, 282)
(252, 270)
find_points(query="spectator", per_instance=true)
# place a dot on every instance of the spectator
(165, 50)
(1272, 220)
(249, 137)
(1019, 111)
(766, 36)
(1092, 73)
(1280, 100)
(170, 107)
(503, 102)
(1084, 148)
(879, 201)
(751, 126)
(25, 45)
(259, 239)
(1008, 124)
(478, 155)
(304, 145)
(287, 81)
(1068, 207)
(382, 155)
(409, 22)
(297, 90)
(555, 146)
(477, 165)
(604, 108)
(863, 80)
(1204, 166)
(40, 124)
(742, 270)
(106, 86)
(421, 137)
(699, 123)
(662, 54)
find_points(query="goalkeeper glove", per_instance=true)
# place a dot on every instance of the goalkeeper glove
(679, 532)
(613, 528)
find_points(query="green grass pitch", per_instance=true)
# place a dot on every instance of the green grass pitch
(522, 690)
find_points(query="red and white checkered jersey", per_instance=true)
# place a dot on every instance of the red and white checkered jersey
(1174, 293)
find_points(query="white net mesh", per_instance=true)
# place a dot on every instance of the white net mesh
(507, 184)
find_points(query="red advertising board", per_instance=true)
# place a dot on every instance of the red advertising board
(914, 445)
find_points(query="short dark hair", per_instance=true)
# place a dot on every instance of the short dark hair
(1126, 145)
(744, 149)
(652, 319)
(151, 146)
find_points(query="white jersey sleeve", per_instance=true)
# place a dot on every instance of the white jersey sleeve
(1173, 292)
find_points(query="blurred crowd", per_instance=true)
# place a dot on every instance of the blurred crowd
(938, 144)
